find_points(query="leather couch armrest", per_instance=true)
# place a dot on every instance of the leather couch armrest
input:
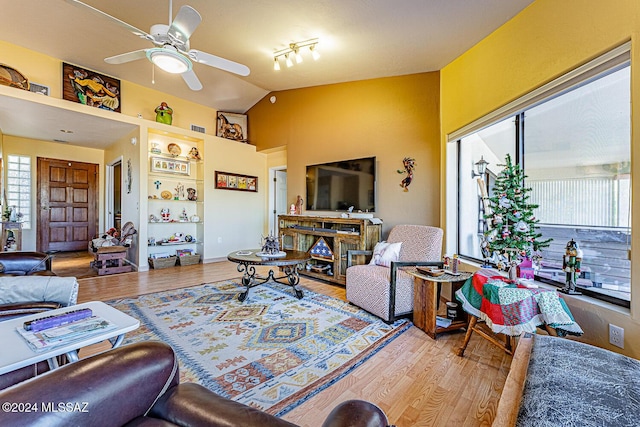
(356, 413)
(191, 404)
(111, 388)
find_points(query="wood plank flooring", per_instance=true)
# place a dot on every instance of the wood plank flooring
(417, 381)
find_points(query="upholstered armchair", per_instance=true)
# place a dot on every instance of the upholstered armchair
(382, 287)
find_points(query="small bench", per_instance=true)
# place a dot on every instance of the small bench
(111, 260)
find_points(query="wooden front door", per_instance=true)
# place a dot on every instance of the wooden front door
(67, 200)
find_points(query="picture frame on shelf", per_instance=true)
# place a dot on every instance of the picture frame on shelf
(91, 88)
(173, 166)
(234, 181)
(232, 126)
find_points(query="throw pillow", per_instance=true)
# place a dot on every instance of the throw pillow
(384, 253)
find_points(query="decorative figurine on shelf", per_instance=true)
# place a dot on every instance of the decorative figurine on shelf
(164, 213)
(191, 194)
(571, 266)
(164, 114)
(299, 203)
(154, 148)
(179, 194)
(292, 209)
(184, 217)
(409, 165)
(194, 154)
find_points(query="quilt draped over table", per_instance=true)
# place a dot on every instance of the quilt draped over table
(512, 309)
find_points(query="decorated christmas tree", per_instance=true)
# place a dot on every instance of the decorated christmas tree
(512, 232)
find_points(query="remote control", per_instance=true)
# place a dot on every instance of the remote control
(58, 320)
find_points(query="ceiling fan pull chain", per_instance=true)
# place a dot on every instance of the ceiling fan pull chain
(170, 11)
(153, 73)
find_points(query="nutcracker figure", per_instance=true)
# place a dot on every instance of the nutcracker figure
(571, 266)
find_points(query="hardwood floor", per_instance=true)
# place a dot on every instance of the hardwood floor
(417, 381)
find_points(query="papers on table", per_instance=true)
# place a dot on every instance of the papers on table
(443, 322)
(61, 335)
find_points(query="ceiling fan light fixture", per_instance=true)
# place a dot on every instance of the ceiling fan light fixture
(169, 60)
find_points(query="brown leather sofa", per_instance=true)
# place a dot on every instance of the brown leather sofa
(138, 385)
(25, 264)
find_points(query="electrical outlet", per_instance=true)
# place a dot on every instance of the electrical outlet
(616, 335)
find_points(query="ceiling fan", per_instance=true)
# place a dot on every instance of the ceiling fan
(171, 52)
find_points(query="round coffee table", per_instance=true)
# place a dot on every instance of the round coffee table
(247, 259)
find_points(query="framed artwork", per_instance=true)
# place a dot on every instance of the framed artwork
(164, 165)
(90, 88)
(232, 126)
(234, 181)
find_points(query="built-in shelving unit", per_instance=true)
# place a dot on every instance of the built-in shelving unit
(301, 233)
(176, 194)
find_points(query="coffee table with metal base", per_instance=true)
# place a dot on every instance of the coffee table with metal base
(247, 259)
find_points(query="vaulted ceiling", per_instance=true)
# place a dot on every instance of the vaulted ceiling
(359, 39)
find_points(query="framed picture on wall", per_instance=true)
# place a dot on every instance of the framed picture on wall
(232, 126)
(165, 165)
(90, 88)
(234, 181)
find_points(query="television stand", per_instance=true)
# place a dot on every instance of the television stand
(300, 233)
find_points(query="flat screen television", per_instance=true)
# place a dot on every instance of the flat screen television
(337, 186)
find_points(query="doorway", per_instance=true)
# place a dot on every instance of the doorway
(67, 196)
(113, 192)
(278, 199)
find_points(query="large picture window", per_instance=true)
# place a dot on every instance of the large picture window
(574, 146)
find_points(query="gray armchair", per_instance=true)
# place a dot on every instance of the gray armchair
(387, 292)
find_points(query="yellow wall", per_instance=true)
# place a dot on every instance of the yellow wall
(545, 41)
(389, 118)
(232, 218)
(135, 99)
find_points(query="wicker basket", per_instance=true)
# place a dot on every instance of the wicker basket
(189, 259)
(158, 263)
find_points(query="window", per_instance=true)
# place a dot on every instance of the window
(18, 189)
(574, 145)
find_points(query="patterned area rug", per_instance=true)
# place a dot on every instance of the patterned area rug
(272, 352)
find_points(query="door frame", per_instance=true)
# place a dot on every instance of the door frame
(273, 197)
(109, 214)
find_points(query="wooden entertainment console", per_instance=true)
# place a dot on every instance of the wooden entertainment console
(300, 233)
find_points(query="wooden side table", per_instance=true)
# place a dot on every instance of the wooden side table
(425, 301)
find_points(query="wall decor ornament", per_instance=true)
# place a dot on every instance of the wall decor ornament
(90, 88)
(234, 181)
(164, 113)
(232, 126)
(409, 165)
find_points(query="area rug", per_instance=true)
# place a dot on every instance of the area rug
(272, 352)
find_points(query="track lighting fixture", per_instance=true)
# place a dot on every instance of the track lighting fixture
(294, 50)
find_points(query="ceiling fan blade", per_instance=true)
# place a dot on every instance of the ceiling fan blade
(138, 32)
(217, 62)
(191, 80)
(126, 57)
(184, 24)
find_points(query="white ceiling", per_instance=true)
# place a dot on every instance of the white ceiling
(359, 39)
